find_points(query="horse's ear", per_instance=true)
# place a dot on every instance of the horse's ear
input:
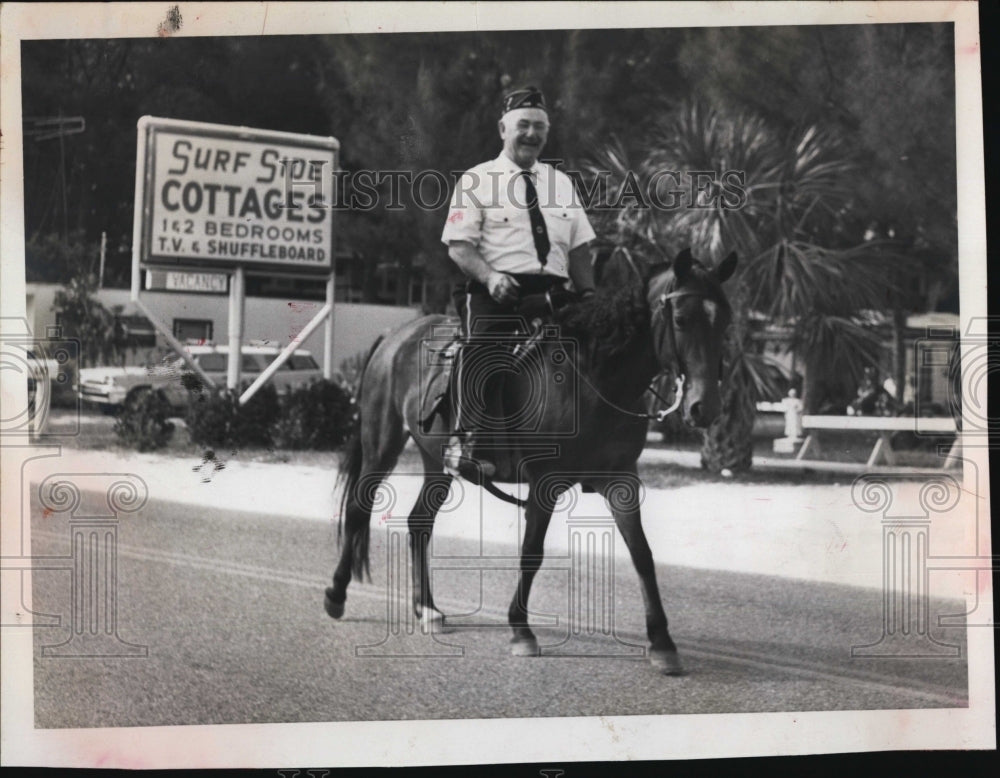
(725, 269)
(682, 264)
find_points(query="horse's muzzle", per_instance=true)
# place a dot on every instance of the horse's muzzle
(702, 410)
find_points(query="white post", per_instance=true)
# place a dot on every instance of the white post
(793, 416)
(328, 331)
(237, 295)
(139, 214)
(792, 407)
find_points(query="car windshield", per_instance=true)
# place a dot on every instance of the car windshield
(302, 362)
(214, 363)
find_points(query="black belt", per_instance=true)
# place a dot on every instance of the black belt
(528, 283)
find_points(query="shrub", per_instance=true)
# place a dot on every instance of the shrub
(216, 419)
(193, 383)
(317, 416)
(211, 417)
(257, 417)
(143, 421)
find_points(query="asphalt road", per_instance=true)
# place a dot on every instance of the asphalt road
(229, 608)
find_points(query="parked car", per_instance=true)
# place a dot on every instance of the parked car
(41, 368)
(108, 387)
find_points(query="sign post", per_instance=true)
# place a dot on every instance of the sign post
(328, 336)
(213, 198)
(237, 298)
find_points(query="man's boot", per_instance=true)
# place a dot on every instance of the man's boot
(459, 457)
(460, 460)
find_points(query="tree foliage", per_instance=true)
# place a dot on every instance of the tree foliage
(83, 318)
(845, 137)
(887, 90)
(791, 228)
(428, 101)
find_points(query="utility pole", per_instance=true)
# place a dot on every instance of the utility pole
(62, 176)
(104, 248)
(42, 128)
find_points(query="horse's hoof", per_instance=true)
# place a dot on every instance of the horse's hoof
(333, 609)
(521, 647)
(667, 662)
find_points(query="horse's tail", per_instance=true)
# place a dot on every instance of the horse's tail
(358, 529)
(358, 532)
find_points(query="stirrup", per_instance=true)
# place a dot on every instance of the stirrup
(457, 462)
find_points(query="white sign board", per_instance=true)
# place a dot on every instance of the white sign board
(219, 196)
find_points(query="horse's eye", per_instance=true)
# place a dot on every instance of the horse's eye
(680, 322)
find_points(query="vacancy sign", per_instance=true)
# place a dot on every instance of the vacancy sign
(186, 281)
(212, 195)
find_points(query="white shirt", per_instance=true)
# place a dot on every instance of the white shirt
(489, 210)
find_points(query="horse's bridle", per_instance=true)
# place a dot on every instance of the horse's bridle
(660, 314)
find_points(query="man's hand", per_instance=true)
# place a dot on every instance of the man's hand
(502, 287)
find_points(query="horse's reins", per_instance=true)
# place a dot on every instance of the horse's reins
(659, 415)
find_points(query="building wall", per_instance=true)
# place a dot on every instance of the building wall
(274, 321)
(930, 338)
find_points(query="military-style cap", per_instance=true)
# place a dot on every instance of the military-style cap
(528, 97)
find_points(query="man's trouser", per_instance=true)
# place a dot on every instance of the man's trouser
(486, 355)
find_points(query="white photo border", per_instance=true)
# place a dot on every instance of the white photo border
(481, 741)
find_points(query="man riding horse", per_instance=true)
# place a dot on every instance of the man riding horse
(515, 227)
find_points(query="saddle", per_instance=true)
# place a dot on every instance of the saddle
(442, 349)
(439, 355)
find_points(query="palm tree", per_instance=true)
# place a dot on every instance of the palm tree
(796, 262)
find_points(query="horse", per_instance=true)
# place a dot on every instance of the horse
(643, 320)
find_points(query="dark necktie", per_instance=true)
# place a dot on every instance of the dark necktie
(538, 231)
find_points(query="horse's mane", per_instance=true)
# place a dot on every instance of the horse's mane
(607, 322)
(619, 313)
